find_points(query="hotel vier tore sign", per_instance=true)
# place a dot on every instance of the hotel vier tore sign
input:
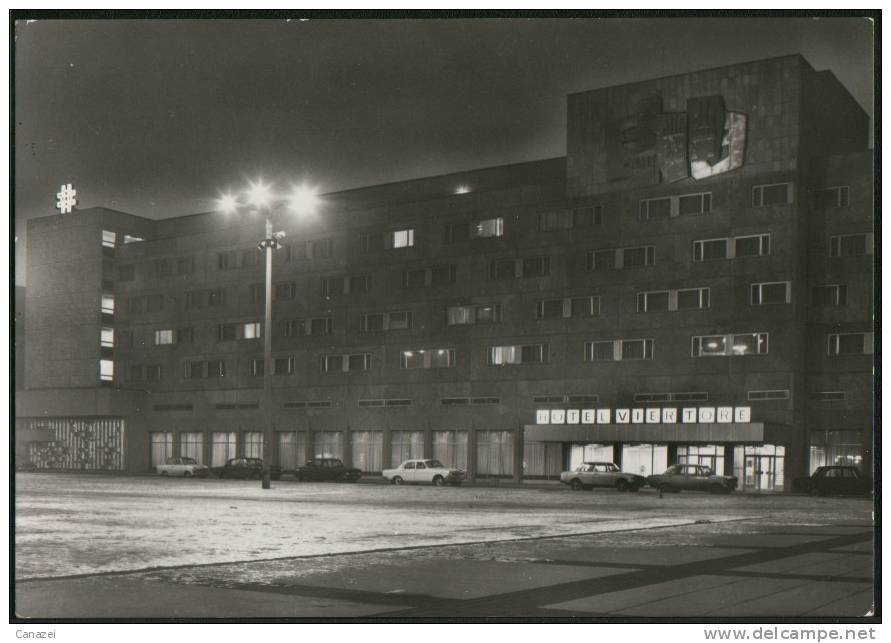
(664, 415)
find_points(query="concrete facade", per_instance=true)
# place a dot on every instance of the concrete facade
(619, 231)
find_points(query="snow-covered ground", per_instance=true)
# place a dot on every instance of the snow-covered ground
(69, 524)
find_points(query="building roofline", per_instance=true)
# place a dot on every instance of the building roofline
(693, 71)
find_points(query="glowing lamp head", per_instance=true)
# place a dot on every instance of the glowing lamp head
(259, 194)
(227, 203)
(462, 189)
(303, 199)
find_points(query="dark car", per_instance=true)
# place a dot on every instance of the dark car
(246, 469)
(834, 480)
(327, 469)
(692, 477)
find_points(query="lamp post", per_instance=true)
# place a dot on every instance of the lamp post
(261, 201)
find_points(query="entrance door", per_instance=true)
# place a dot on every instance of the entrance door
(763, 467)
(764, 472)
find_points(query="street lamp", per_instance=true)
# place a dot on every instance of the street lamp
(259, 198)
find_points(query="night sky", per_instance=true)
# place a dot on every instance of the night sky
(155, 117)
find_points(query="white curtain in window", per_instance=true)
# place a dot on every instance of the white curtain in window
(450, 448)
(368, 450)
(590, 453)
(162, 447)
(291, 450)
(222, 447)
(253, 444)
(495, 453)
(191, 445)
(406, 445)
(543, 459)
(328, 444)
(644, 459)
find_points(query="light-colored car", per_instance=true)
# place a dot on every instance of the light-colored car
(424, 471)
(601, 474)
(692, 477)
(184, 467)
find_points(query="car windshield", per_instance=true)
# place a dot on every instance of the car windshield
(189, 461)
(612, 467)
(434, 464)
(585, 468)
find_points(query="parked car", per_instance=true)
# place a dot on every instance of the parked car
(601, 474)
(183, 466)
(834, 480)
(327, 469)
(245, 468)
(692, 477)
(431, 471)
(27, 465)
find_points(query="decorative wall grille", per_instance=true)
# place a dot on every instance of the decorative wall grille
(84, 444)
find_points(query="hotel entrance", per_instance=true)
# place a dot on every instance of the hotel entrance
(760, 467)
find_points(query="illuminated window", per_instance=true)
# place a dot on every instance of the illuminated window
(402, 238)
(517, 354)
(107, 305)
(106, 370)
(252, 330)
(106, 337)
(427, 358)
(724, 345)
(163, 337)
(488, 228)
(109, 239)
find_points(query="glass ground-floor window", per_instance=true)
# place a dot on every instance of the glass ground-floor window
(162, 446)
(644, 459)
(328, 444)
(589, 453)
(707, 455)
(368, 450)
(543, 459)
(836, 448)
(405, 445)
(253, 444)
(760, 467)
(450, 448)
(291, 449)
(494, 453)
(222, 447)
(191, 445)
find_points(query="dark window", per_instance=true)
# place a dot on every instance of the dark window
(321, 326)
(185, 335)
(136, 373)
(536, 266)
(457, 232)
(227, 332)
(414, 278)
(332, 286)
(532, 353)
(649, 301)
(154, 303)
(193, 370)
(360, 362)
(711, 249)
(399, 320)
(250, 258)
(185, 265)
(851, 245)
(587, 216)
(695, 204)
(285, 291)
(227, 260)
(216, 368)
(550, 309)
(153, 373)
(294, 327)
(770, 293)
(584, 306)
(321, 248)
(599, 351)
(126, 273)
(371, 242)
(831, 295)
(655, 209)
(216, 297)
(360, 283)
(693, 298)
(777, 194)
(502, 269)
(371, 322)
(643, 256)
(601, 260)
(488, 314)
(257, 366)
(283, 366)
(440, 275)
(752, 246)
(256, 293)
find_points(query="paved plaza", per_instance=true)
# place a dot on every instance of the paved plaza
(93, 547)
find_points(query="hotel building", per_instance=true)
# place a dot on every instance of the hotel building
(692, 282)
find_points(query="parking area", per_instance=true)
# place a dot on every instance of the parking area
(371, 549)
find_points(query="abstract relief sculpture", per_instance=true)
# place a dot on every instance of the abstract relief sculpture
(651, 146)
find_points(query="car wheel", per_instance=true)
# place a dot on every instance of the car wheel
(814, 491)
(438, 481)
(576, 485)
(634, 488)
(716, 488)
(164, 473)
(622, 485)
(187, 474)
(397, 480)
